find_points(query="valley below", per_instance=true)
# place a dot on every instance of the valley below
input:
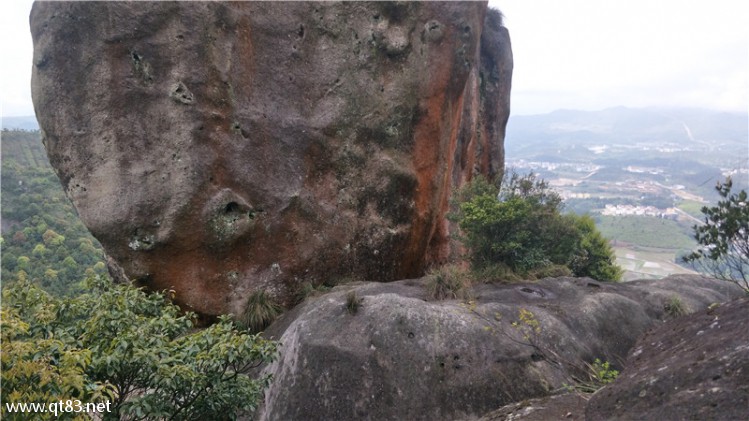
(643, 174)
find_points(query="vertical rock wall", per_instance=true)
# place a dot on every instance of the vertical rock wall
(216, 149)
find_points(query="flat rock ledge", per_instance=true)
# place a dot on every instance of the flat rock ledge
(400, 355)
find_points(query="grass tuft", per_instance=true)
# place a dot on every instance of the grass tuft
(675, 307)
(449, 282)
(260, 311)
(353, 302)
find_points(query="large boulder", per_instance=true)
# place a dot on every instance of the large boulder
(218, 149)
(401, 356)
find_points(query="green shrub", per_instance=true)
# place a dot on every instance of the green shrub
(599, 374)
(132, 349)
(520, 226)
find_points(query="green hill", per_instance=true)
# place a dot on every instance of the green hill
(24, 148)
(43, 239)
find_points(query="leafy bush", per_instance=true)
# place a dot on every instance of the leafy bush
(137, 351)
(724, 237)
(520, 226)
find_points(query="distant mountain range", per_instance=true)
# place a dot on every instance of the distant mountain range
(682, 126)
(636, 123)
(560, 132)
(22, 123)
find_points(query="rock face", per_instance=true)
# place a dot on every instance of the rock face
(696, 367)
(400, 356)
(217, 149)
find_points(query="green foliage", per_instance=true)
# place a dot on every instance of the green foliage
(646, 231)
(592, 255)
(260, 311)
(528, 325)
(448, 282)
(43, 369)
(497, 272)
(602, 372)
(42, 235)
(520, 226)
(599, 374)
(724, 237)
(137, 351)
(550, 271)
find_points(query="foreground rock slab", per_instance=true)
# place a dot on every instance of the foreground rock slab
(400, 356)
(217, 149)
(694, 368)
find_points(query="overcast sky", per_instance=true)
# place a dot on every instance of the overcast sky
(574, 54)
(589, 54)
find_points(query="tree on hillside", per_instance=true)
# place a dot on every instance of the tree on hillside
(724, 237)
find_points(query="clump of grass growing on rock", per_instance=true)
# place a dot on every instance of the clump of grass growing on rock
(449, 282)
(353, 302)
(308, 289)
(675, 307)
(260, 311)
(499, 273)
(550, 271)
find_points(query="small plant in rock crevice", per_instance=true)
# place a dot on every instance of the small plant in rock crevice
(353, 302)
(599, 375)
(308, 289)
(675, 307)
(260, 311)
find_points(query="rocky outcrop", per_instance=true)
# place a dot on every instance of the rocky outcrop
(693, 367)
(696, 367)
(216, 149)
(401, 356)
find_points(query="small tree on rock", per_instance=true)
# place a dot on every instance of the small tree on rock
(724, 237)
(520, 226)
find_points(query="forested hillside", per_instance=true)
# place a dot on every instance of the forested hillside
(42, 238)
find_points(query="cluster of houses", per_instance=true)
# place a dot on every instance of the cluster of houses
(623, 210)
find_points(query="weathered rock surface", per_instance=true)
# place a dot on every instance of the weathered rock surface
(566, 406)
(216, 149)
(694, 368)
(403, 357)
